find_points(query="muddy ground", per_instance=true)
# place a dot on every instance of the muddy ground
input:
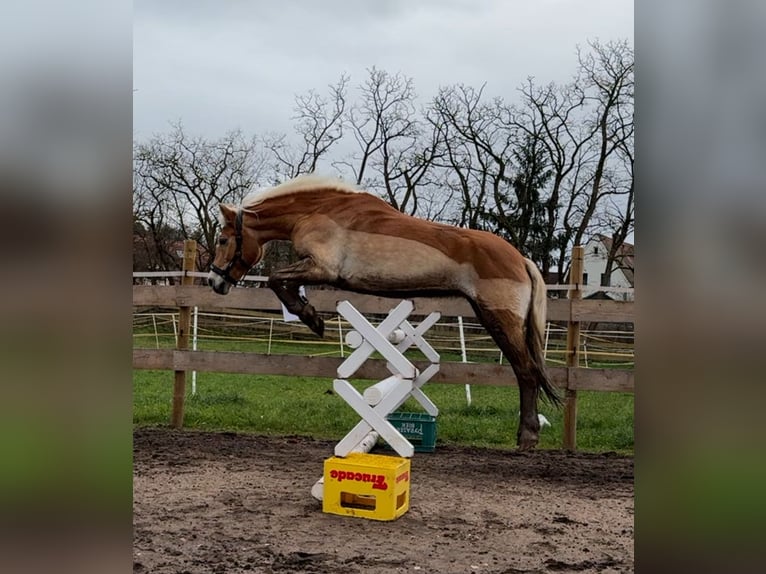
(231, 503)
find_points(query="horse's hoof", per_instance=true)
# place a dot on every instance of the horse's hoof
(317, 325)
(527, 447)
(527, 440)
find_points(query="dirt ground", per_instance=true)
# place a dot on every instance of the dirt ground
(231, 503)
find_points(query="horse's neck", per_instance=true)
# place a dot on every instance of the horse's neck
(272, 227)
(276, 217)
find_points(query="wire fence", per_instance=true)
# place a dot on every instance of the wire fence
(454, 338)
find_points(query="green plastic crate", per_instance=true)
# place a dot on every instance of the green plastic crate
(418, 428)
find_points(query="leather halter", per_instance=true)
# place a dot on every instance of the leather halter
(225, 272)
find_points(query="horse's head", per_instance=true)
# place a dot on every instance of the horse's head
(236, 251)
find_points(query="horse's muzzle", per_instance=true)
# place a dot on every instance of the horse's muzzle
(218, 283)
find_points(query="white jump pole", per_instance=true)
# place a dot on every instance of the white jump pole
(365, 445)
(340, 337)
(156, 336)
(465, 358)
(374, 394)
(547, 336)
(194, 348)
(396, 336)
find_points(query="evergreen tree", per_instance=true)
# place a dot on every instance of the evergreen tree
(520, 214)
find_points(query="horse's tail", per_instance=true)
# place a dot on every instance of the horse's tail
(536, 330)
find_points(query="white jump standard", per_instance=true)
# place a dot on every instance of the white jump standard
(391, 339)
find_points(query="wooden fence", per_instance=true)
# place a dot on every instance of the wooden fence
(573, 310)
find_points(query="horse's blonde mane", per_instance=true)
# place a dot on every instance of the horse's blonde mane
(308, 182)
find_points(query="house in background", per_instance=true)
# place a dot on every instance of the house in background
(595, 255)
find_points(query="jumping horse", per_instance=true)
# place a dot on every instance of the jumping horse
(350, 239)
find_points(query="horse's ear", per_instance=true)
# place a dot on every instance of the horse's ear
(228, 212)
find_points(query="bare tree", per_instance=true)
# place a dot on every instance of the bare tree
(552, 115)
(318, 121)
(499, 170)
(153, 234)
(476, 149)
(385, 110)
(583, 126)
(620, 215)
(395, 149)
(187, 177)
(607, 74)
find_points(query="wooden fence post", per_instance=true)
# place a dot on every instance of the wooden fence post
(184, 322)
(573, 350)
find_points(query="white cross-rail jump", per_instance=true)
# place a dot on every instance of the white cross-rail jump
(391, 339)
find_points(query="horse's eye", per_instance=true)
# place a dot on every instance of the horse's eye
(222, 240)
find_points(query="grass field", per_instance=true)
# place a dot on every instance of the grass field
(279, 405)
(283, 405)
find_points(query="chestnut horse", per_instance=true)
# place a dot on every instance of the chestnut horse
(352, 240)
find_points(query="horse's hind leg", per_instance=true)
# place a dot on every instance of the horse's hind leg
(507, 330)
(286, 283)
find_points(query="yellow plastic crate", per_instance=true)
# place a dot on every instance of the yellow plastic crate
(367, 485)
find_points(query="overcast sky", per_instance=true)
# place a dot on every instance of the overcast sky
(220, 65)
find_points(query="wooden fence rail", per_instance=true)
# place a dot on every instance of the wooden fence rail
(256, 298)
(570, 379)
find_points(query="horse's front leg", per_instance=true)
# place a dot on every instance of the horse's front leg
(286, 283)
